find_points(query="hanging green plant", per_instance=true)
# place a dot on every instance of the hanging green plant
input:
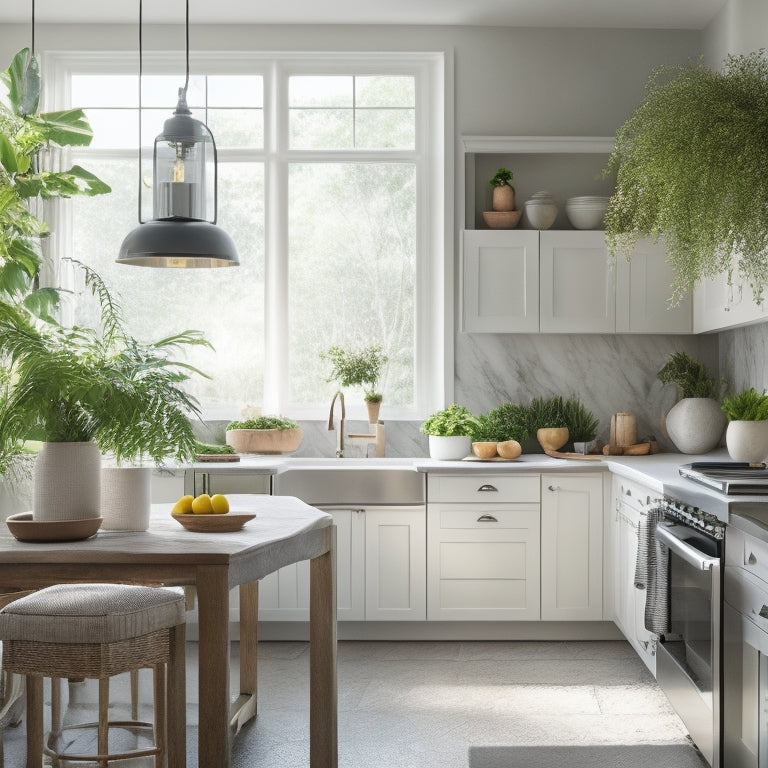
(691, 166)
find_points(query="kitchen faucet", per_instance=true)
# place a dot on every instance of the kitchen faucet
(340, 430)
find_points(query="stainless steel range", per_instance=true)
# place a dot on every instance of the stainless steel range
(689, 652)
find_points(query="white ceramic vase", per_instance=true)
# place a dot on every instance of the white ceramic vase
(696, 424)
(125, 498)
(449, 448)
(67, 482)
(747, 441)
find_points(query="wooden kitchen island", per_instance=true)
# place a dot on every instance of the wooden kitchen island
(284, 531)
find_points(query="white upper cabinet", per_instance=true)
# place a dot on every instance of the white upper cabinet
(501, 281)
(577, 293)
(643, 290)
(718, 305)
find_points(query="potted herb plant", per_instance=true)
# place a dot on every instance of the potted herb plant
(747, 435)
(503, 195)
(691, 167)
(582, 424)
(264, 434)
(696, 422)
(359, 368)
(84, 391)
(506, 427)
(546, 419)
(450, 432)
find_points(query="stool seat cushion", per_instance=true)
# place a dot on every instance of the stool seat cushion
(91, 613)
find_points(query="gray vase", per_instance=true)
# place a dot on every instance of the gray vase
(696, 424)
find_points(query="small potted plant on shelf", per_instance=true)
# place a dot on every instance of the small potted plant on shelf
(450, 432)
(747, 434)
(696, 422)
(264, 434)
(502, 214)
(359, 368)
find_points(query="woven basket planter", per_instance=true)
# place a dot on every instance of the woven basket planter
(268, 441)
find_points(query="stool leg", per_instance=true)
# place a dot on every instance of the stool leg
(34, 721)
(103, 730)
(177, 699)
(55, 714)
(134, 694)
(160, 684)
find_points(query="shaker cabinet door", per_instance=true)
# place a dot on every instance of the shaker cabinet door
(500, 281)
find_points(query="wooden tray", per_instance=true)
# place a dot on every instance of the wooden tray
(216, 457)
(231, 521)
(580, 456)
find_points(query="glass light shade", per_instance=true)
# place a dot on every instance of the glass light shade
(184, 169)
(180, 243)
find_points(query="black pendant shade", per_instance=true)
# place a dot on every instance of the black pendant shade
(182, 232)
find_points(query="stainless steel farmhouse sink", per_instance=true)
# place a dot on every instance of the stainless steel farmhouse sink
(350, 481)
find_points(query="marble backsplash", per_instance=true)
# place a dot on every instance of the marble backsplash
(609, 373)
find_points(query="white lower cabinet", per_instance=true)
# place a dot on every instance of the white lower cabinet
(483, 561)
(630, 501)
(571, 547)
(380, 569)
(395, 564)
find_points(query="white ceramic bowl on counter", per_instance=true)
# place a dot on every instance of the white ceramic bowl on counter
(586, 212)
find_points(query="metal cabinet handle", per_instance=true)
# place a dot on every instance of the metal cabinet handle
(629, 491)
(553, 487)
(751, 560)
(763, 612)
(487, 519)
(488, 487)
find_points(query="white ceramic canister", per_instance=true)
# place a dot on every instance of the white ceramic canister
(126, 498)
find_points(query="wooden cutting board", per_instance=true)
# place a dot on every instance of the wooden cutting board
(580, 456)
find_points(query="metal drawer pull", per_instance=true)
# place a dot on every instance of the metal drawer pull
(487, 519)
(751, 560)
(553, 487)
(488, 487)
(763, 612)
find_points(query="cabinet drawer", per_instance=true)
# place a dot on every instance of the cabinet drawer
(484, 517)
(634, 495)
(485, 488)
(747, 552)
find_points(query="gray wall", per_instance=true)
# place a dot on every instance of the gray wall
(508, 81)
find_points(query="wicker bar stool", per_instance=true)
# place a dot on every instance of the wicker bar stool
(98, 631)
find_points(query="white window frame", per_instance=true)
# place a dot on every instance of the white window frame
(434, 321)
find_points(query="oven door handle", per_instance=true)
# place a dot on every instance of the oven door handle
(691, 555)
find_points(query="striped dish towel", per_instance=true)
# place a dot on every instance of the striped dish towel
(652, 572)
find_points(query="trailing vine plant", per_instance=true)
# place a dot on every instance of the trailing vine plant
(691, 166)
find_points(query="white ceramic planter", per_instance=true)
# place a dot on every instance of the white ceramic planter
(67, 482)
(696, 424)
(125, 498)
(449, 448)
(747, 441)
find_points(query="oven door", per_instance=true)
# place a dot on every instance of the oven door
(688, 657)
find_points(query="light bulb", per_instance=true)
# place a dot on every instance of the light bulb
(178, 170)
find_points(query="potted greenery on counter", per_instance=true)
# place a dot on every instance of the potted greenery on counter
(450, 432)
(264, 434)
(747, 433)
(696, 422)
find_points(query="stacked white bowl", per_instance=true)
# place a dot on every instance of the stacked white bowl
(586, 212)
(541, 210)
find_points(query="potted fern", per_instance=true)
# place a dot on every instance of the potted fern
(87, 391)
(747, 435)
(696, 422)
(691, 167)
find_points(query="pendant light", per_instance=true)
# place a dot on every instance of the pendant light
(182, 231)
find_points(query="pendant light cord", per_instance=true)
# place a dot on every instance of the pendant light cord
(141, 70)
(186, 52)
(33, 28)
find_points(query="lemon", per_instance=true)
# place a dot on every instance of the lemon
(220, 504)
(183, 506)
(202, 505)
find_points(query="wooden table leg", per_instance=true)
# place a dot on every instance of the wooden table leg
(323, 694)
(213, 614)
(249, 650)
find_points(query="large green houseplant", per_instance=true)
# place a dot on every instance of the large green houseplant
(691, 167)
(97, 388)
(26, 135)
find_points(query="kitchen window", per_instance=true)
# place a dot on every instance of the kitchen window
(330, 183)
